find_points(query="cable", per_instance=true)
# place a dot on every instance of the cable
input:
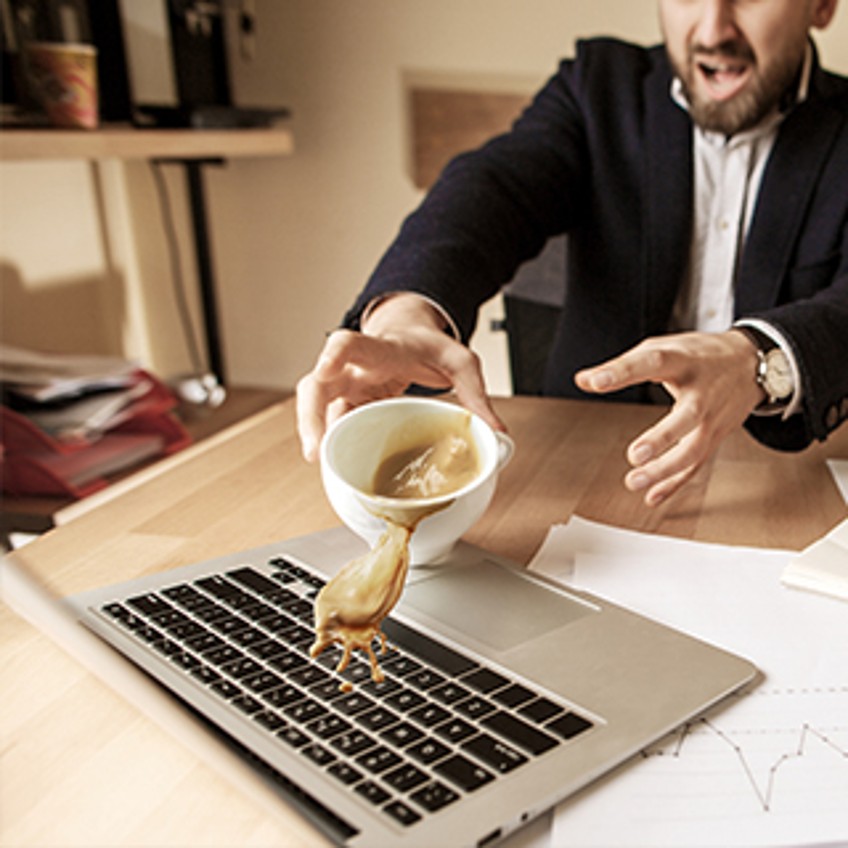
(176, 266)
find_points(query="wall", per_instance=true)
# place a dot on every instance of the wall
(294, 239)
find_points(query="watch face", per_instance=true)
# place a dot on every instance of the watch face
(778, 381)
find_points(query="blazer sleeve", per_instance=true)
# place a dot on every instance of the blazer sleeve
(795, 269)
(491, 209)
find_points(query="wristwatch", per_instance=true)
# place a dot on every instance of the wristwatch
(774, 373)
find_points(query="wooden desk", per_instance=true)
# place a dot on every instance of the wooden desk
(81, 766)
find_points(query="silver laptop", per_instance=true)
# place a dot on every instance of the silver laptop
(503, 693)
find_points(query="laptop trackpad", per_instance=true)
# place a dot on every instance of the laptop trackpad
(493, 604)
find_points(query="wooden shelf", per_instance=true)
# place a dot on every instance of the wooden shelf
(124, 142)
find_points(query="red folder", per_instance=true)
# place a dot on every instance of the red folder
(32, 462)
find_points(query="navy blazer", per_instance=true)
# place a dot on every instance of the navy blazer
(605, 154)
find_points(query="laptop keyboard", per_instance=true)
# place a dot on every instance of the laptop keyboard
(440, 725)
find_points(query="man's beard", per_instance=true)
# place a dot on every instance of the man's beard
(764, 92)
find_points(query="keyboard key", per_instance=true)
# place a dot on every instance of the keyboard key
(241, 667)
(401, 735)
(205, 674)
(328, 690)
(222, 655)
(252, 579)
(204, 642)
(150, 604)
(304, 711)
(328, 726)
(520, 732)
(279, 623)
(455, 730)
(211, 612)
(309, 675)
(424, 679)
(353, 703)
(226, 689)
(405, 777)
(262, 681)
(464, 773)
(377, 719)
(569, 725)
(294, 737)
(428, 751)
(374, 793)
(430, 715)
(434, 796)
(248, 636)
(287, 661)
(540, 710)
(345, 773)
(247, 704)
(401, 813)
(186, 597)
(267, 650)
(259, 611)
(384, 689)
(353, 742)
(170, 620)
(485, 680)
(401, 665)
(168, 647)
(318, 754)
(188, 630)
(283, 696)
(405, 700)
(514, 695)
(445, 659)
(476, 707)
(269, 720)
(228, 624)
(185, 661)
(500, 756)
(378, 759)
(449, 693)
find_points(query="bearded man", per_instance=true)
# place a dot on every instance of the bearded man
(703, 185)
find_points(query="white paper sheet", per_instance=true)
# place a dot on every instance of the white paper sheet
(839, 470)
(770, 768)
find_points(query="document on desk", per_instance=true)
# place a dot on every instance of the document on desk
(769, 768)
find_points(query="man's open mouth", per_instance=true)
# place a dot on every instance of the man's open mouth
(722, 77)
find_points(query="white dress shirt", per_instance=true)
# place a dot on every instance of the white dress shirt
(728, 174)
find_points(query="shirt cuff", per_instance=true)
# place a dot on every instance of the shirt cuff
(450, 327)
(794, 403)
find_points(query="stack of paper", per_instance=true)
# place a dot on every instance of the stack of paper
(823, 566)
(67, 422)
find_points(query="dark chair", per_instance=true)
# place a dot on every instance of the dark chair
(533, 301)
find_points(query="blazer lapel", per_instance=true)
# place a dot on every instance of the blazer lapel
(789, 180)
(668, 195)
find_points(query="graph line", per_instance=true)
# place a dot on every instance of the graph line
(764, 791)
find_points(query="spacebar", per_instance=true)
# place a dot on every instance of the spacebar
(445, 659)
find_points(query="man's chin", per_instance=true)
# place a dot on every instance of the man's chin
(727, 116)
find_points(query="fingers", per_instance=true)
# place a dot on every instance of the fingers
(355, 368)
(647, 362)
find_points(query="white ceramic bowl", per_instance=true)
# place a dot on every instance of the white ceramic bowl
(359, 441)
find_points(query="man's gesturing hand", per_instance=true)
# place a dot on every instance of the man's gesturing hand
(711, 378)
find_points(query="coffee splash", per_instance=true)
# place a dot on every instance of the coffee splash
(350, 609)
